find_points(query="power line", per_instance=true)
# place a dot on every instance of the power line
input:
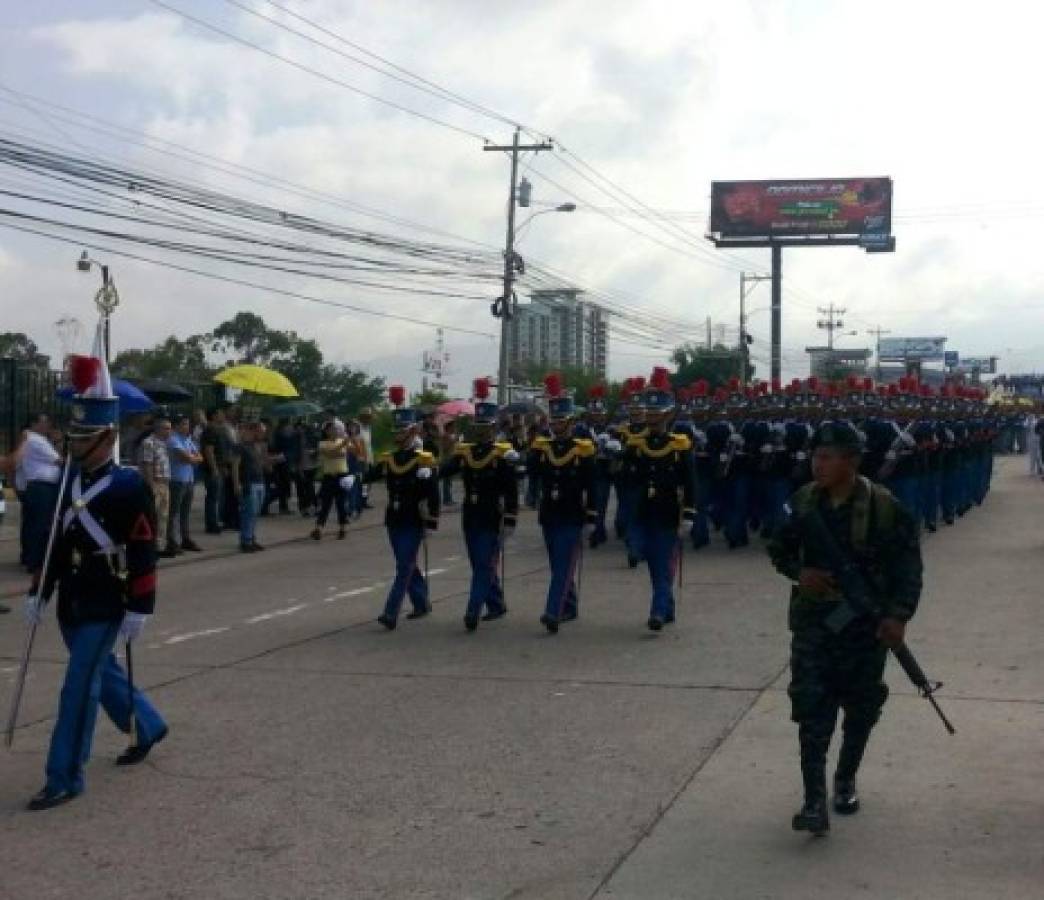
(316, 73)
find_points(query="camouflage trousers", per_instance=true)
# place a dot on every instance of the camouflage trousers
(832, 672)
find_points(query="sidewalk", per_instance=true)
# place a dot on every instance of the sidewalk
(272, 531)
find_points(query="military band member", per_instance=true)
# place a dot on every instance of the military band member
(566, 468)
(608, 447)
(104, 567)
(666, 494)
(490, 510)
(413, 509)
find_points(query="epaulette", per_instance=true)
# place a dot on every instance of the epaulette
(680, 442)
(425, 458)
(584, 447)
(541, 442)
(503, 447)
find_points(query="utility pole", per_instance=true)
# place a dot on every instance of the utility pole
(752, 280)
(877, 332)
(506, 305)
(710, 340)
(831, 323)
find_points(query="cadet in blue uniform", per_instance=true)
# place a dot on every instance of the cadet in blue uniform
(490, 510)
(566, 469)
(413, 507)
(626, 486)
(666, 494)
(104, 567)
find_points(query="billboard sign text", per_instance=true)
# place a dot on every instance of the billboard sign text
(803, 208)
(917, 348)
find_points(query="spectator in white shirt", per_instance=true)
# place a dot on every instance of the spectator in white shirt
(42, 468)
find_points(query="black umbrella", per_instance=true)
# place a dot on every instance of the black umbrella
(161, 391)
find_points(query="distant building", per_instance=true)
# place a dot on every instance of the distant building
(556, 330)
(830, 363)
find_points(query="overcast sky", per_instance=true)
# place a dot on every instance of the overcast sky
(662, 98)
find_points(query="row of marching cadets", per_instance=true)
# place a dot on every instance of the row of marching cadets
(751, 448)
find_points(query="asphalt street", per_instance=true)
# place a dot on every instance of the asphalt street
(312, 754)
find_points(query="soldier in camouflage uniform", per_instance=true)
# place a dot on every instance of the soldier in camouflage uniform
(834, 671)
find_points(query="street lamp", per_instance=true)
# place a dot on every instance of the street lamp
(563, 207)
(107, 298)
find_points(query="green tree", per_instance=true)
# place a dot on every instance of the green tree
(172, 359)
(347, 389)
(245, 338)
(429, 398)
(717, 365)
(16, 345)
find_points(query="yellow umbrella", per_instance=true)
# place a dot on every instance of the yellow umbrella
(257, 380)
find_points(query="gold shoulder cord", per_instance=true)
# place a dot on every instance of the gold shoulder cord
(464, 452)
(422, 458)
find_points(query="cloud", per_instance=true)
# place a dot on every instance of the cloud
(660, 97)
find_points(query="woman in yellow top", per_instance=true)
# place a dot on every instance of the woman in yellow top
(335, 483)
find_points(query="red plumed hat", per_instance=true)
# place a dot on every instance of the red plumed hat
(777, 385)
(83, 372)
(597, 391)
(813, 383)
(660, 379)
(700, 388)
(852, 383)
(480, 388)
(639, 382)
(868, 383)
(397, 395)
(734, 384)
(893, 390)
(553, 384)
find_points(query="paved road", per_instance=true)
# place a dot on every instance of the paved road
(314, 755)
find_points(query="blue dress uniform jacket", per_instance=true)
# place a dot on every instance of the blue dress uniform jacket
(107, 517)
(96, 583)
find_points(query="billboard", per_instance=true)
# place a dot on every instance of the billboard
(918, 348)
(985, 365)
(802, 208)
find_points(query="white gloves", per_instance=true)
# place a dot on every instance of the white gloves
(602, 439)
(736, 440)
(512, 456)
(418, 443)
(801, 455)
(424, 473)
(613, 446)
(34, 608)
(132, 626)
(347, 483)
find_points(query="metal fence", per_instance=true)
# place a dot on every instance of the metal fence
(24, 390)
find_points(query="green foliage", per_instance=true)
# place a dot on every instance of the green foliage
(578, 380)
(16, 345)
(428, 398)
(172, 359)
(717, 365)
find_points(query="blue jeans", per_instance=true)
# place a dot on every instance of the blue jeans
(661, 548)
(563, 553)
(250, 499)
(484, 554)
(406, 543)
(93, 676)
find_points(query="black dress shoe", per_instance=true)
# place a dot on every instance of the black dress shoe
(493, 616)
(655, 623)
(247, 548)
(813, 818)
(136, 754)
(386, 622)
(167, 553)
(418, 613)
(846, 798)
(471, 622)
(49, 798)
(192, 546)
(550, 623)
(213, 530)
(256, 546)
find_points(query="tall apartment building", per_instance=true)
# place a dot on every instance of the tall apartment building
(556, 329)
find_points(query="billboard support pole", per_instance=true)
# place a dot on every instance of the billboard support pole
(777, 311)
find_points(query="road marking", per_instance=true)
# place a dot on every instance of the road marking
(352, 593)
(452, 558)
(276, 613)
(436, 571)
(180, 638)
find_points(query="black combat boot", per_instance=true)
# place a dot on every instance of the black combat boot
(846, 799)
(813, 817)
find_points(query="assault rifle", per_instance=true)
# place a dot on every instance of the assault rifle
(857, 600)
